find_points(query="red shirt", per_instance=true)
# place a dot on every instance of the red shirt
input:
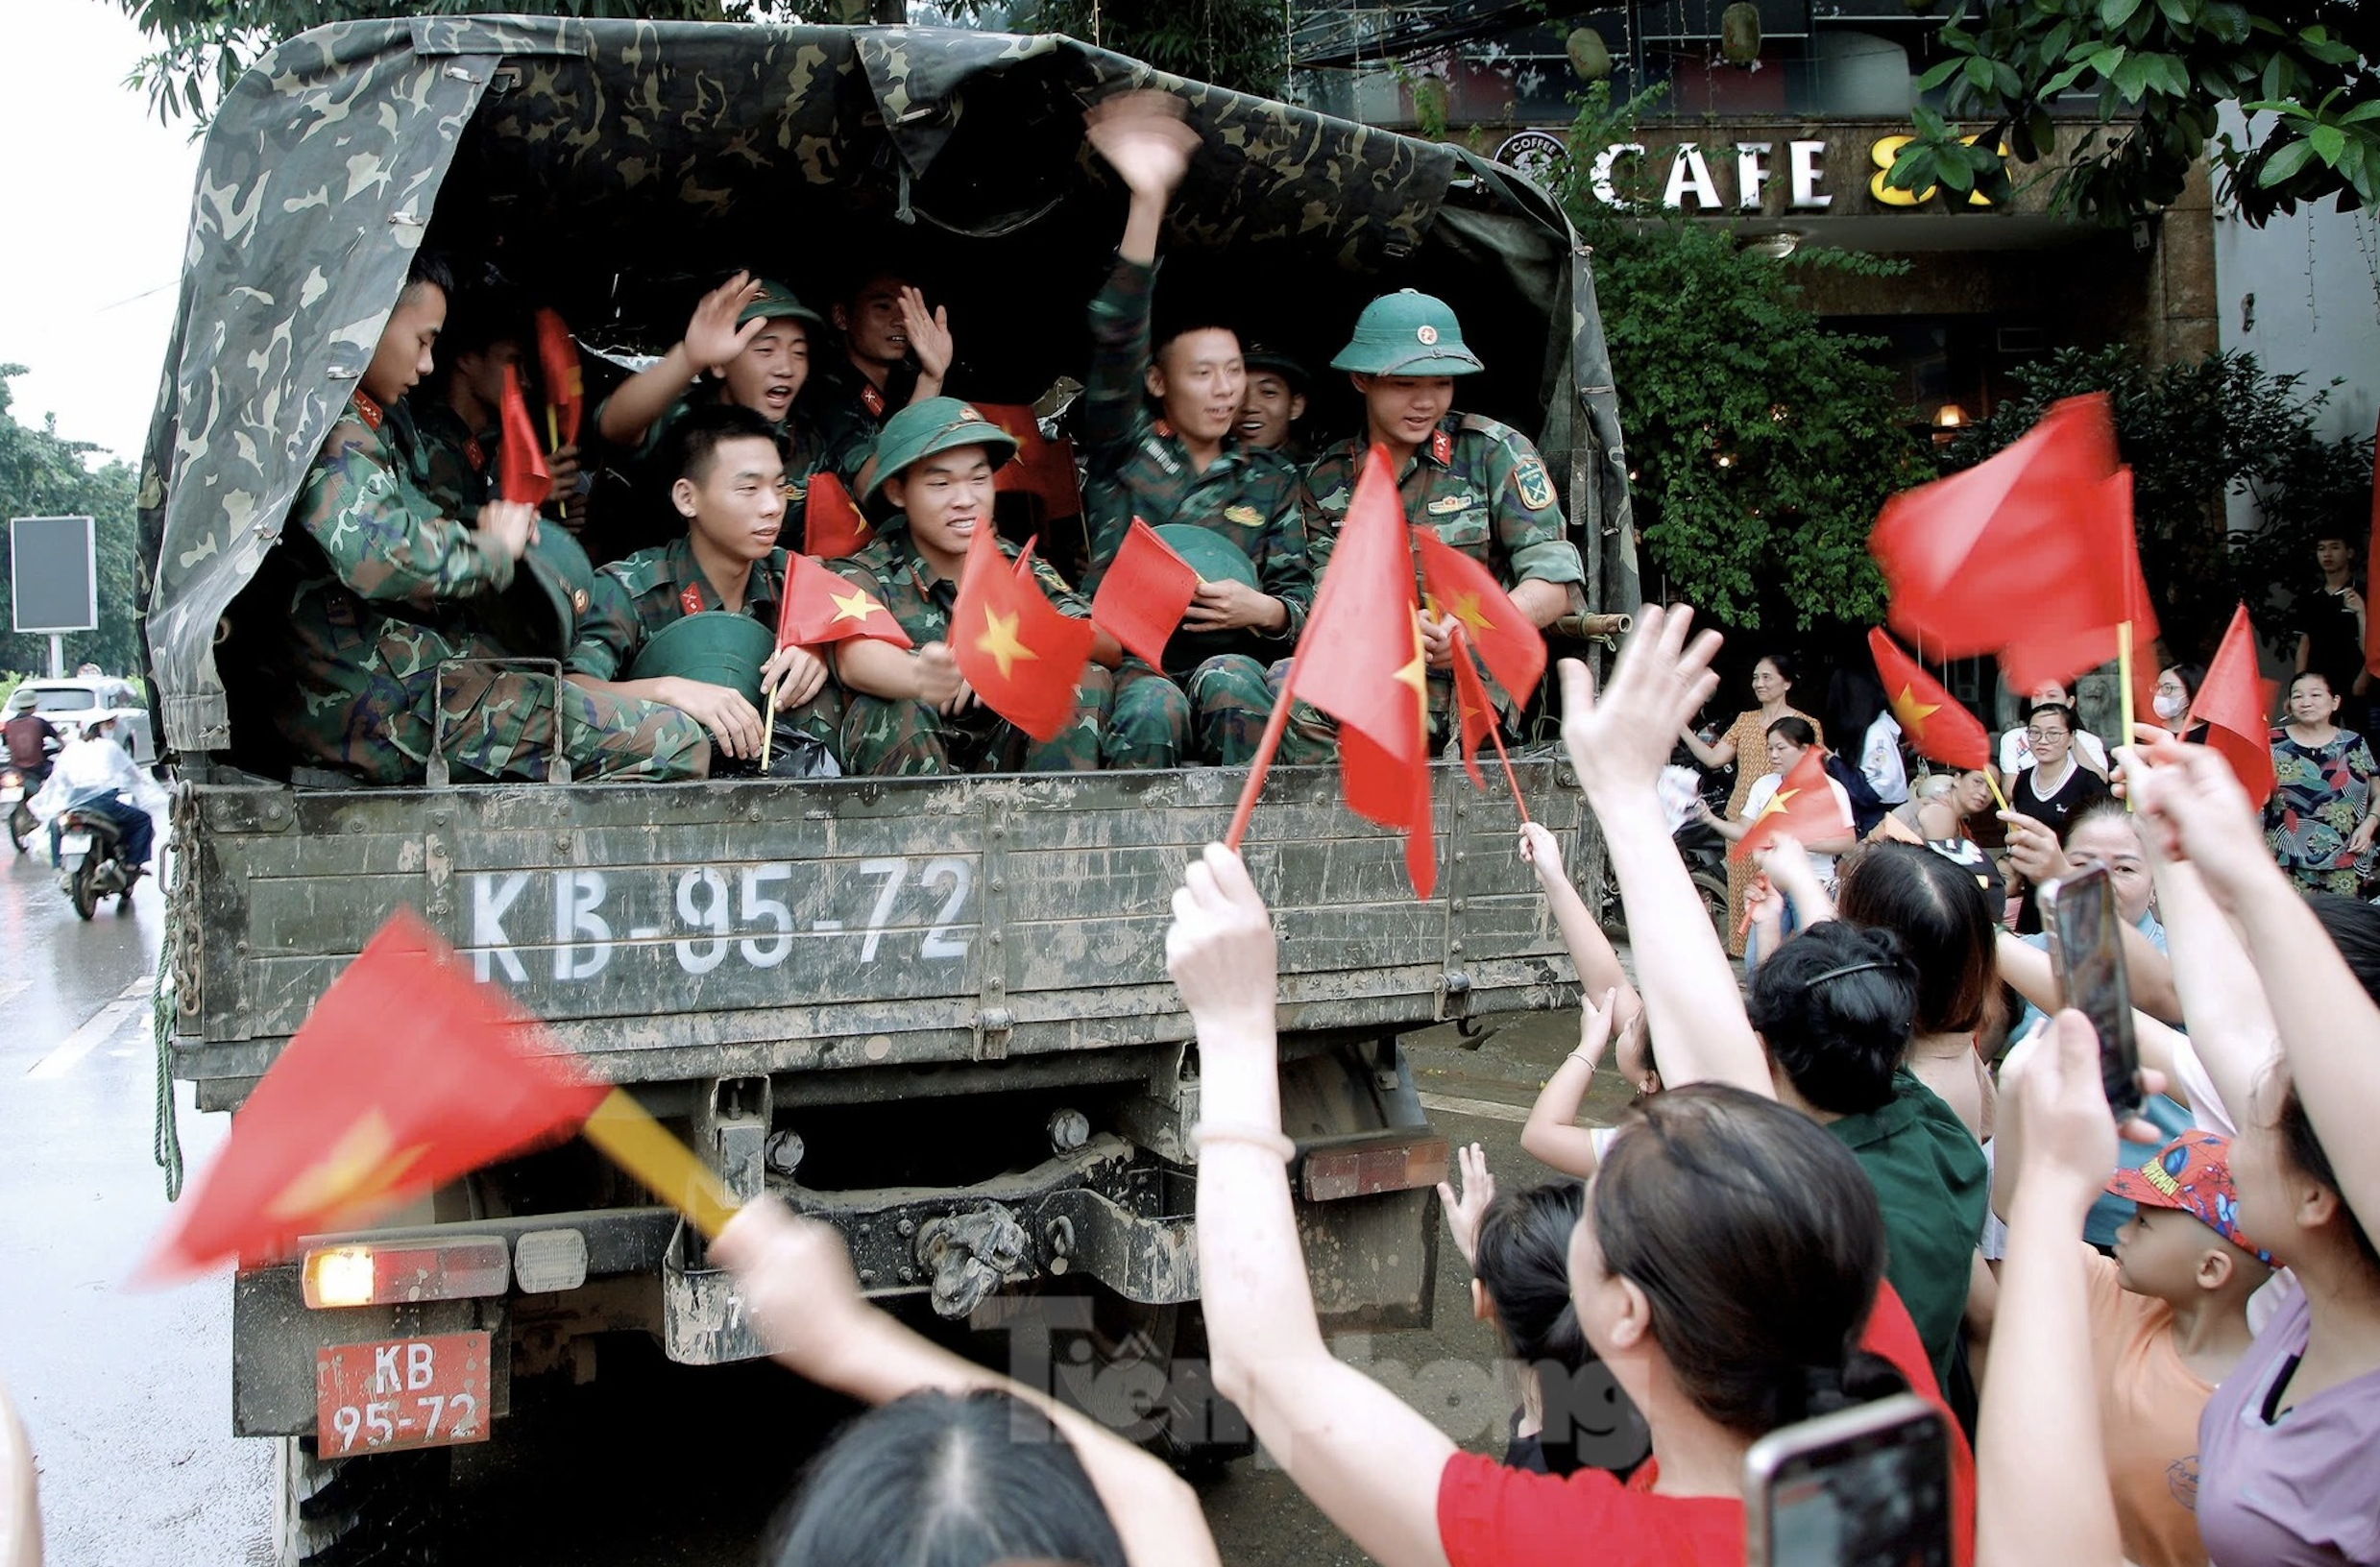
(1495, 1516)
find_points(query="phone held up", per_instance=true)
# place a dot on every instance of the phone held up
(1868, 1487)
(2086, 947)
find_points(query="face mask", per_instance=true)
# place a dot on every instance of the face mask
(2170, 708)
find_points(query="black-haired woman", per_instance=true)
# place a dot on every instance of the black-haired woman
(1744, 747)
(2177, 686)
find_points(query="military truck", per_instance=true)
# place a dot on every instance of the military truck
(933, 1012)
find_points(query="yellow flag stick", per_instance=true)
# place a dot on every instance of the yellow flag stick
(768, 729)
(553, 429)
(1993, 779)
(2124, 690)
(644, 1148)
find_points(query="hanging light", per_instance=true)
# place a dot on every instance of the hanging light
(1740, 32)
(1590, 56)
(1950, 416)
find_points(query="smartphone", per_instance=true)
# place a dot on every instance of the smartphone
(2086, 947)
(1868, 1487)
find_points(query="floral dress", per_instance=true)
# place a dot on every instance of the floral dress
(2320, 793)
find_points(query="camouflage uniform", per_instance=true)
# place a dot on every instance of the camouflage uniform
(1137, 466)
(887, 736)
(802, 447)
(848, 410)
(448, 462)
(636, 597)
(1480, 487)
(376, 581)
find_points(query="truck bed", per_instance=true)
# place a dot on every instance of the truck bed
(671, 932)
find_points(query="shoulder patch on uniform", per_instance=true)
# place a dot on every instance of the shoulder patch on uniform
(1246, 517)
(1536, 486)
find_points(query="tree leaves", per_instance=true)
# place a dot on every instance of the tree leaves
(44, 474)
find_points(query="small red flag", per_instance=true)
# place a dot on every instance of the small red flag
(520, 469)
(2032, 531)
(1938, 725)
(1363, 666)
(1043, 468)
(2371, 622)
(407, 1075)
(2232, 704)
(821, 607)
(566, 386)
(832, 526)
(2045, 653)
(1804, 805)
(1143, 596)
(1475, 711)
(1022, 656)
(1461, 589)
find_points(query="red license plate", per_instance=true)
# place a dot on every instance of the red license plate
(401, 1392)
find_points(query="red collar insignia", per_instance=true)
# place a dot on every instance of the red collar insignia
(475, 455)
(1441, 447)
(371, 412)
(872, 401)
(1165, 428)
(689, 599)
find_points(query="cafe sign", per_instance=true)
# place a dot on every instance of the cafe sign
(1713, 177)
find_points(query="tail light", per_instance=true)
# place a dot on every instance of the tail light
(363, 1274)
(1394, 1161)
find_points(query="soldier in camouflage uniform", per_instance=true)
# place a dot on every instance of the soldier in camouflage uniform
(911, 711)
(753, 336)
(1478, 485)
(1187, 466)
(456, 418)
(729, 489)
(1274, 404)
(371, 590)
(892, 352)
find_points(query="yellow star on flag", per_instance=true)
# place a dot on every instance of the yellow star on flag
(1001, 641)
(1466, 609)
(1912, 713)
(361, 1167)
(1417, 675)
(858, 606)
(1776, 803)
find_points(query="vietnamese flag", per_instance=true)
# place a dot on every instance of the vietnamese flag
(1804, 805)
(821, 607)
(832, 526)
(2029, 537)
(1042, 468)
(522, 474)
(2043, 654)
(1142, 598)
(2233, 706)
(1020, 655)
(1938, 727)
(1475, 709)
(1362, 664)
(407, 1075)
(565, 385)
(1458, 588)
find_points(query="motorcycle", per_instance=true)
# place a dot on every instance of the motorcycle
(16, 792)
(91, 862)
(1703, 848)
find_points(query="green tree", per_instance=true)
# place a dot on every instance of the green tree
(1241, 45)
(1760, 444)
(2194, 434)
(2160, 68)
(44, 474)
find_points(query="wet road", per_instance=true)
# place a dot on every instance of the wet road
(127, 1394)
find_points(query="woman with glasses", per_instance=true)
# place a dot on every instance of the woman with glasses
(2053, 787)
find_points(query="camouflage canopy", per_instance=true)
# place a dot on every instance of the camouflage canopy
(614, 169)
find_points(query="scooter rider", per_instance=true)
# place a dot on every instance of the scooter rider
(93, 773)
(33, 740)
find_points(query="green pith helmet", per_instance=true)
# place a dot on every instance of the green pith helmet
(1407, 333)
(714, 647)
(778, 302)
(1208, 553)
(937, 424)
(538, 616)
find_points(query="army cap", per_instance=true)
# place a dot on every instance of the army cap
(937, 424)
(1262, 357)
(714, 647)
(778, 302)
(1407, 333)
(1212, 556)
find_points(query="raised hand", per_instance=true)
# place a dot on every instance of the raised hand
(712, 336)
(1541, 851)
(1621, 738)
(2033, 849)
(929, 336)
(1144, 139)
(794, 1278)
(1221, 950)
(2193, 804)
(1465, 1209)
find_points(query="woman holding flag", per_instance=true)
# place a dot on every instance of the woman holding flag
(1772, 688)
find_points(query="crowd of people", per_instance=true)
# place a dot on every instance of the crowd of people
(366, 641)
(1822, 1194)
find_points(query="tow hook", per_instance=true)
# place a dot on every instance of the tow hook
(970, 1255)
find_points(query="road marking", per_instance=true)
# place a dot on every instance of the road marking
(1485, 1109)
(84, 1039)
(139, 990)
(12, 989)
